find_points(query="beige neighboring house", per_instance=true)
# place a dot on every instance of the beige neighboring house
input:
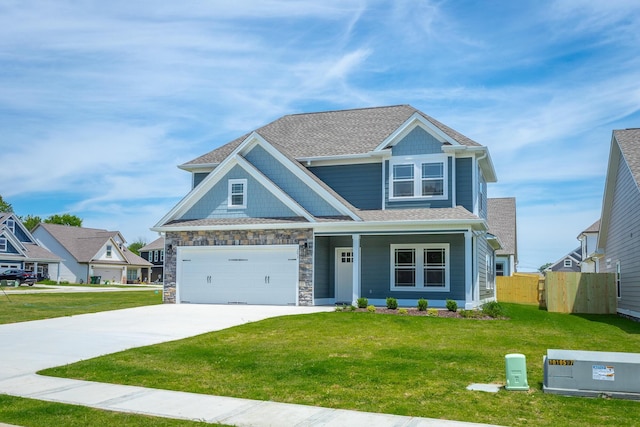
(90, 253)
(501, 217)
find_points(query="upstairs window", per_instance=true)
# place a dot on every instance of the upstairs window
(3, 244)
(109, 251)
(155, 256)
(419, 178)
(237, 194)
(11, 225)
(162, 255)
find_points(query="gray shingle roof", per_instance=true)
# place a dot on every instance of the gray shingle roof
(332, 133)
(593, 228)
(629, 142)
(153, 246)
(502, 223)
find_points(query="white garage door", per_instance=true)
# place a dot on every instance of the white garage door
(238, 274)
(111, 275)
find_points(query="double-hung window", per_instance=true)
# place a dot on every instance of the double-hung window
(109, 251)
(11, 225)
(237, 194)
(422, 267)
(3, 244)
(155, 256)
(422, 177)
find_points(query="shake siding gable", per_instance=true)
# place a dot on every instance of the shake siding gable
(623, 240)
(261, 203)
(289, 183)
(417, 141)
(359, 184)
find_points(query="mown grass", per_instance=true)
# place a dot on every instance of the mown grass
(24, 307)
(37, 413)
(405, 365)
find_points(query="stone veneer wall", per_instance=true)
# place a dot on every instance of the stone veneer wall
(301, 237)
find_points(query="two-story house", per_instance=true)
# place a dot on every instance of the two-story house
(324, 208)
(589, 248)
(19, 249)
(501, 216)
(154, 253)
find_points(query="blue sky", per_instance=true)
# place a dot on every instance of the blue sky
(100, 101)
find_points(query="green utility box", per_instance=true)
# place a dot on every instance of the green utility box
(516, 365)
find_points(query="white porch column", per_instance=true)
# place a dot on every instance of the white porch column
(468, 270)
(356, 269)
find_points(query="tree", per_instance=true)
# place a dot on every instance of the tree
(543, 266)
(65, 219)
(4, 206)
(31, 221)
(135, 246)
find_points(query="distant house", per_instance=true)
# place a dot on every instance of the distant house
(19, 249)
(619, 238)
(569, 262)
(154, 253)
(589, 248)
(501, 217)
(90, 252)
(325, 208)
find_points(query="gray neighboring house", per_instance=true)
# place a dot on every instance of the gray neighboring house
(501, 217)
(589, 243)
(90, 252)
(154, 253)
(570, 262)
(619, 238)
(19, 249)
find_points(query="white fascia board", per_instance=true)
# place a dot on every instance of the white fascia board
(256, 139)
(416, 119)
(274, 189)
(349, 159)
(607, 198)
(6, 233)
(201, 167)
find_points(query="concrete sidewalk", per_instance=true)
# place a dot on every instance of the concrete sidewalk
(30, 346)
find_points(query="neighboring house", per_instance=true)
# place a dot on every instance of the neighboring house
(324, 208)
(154, 253)
(502, 224)
(90, 252)
(569, 262)
(619, 237)
(589, 248)
(19, 249)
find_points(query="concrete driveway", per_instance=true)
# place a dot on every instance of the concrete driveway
(31, 346)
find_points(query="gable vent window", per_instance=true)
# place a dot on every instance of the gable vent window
(109, 251)
(11, 225)
(568, 263)
(422, 177)
(237, 194)
(3, 244)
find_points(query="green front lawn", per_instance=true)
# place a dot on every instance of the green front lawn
(406, 365)
(23, 307)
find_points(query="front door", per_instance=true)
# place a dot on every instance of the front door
(344, 275)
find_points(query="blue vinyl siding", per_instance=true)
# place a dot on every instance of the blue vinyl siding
(359, 184)
(323, 286)
(291, 184)
(261, 203)
(376, 266)
(198, 177)
(483, 195)
(424, 203)
(623, 243)
(418, 141)
(484, 249)
(10, 249)
(464, 183)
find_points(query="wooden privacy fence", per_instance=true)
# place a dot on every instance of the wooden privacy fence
(521, 288)
(593, 293)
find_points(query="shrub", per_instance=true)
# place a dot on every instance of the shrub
(493, 309)
(432, 312)
(363, 302)
(452, 305)
(470, 313)
(392, 303)
(338, 308)
(371, 308)
(423, 304)
(352, 307)
(403, 311)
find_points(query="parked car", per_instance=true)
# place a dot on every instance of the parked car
(20, 275)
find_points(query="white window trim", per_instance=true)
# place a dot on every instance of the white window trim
(155, 256)
(11, 225)
(109, 251)
(244, 194)
(3, 244)
(161, 255)
(417, 162)
(419, 249)
(568, 263)
(618, 280)
(490, 273)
